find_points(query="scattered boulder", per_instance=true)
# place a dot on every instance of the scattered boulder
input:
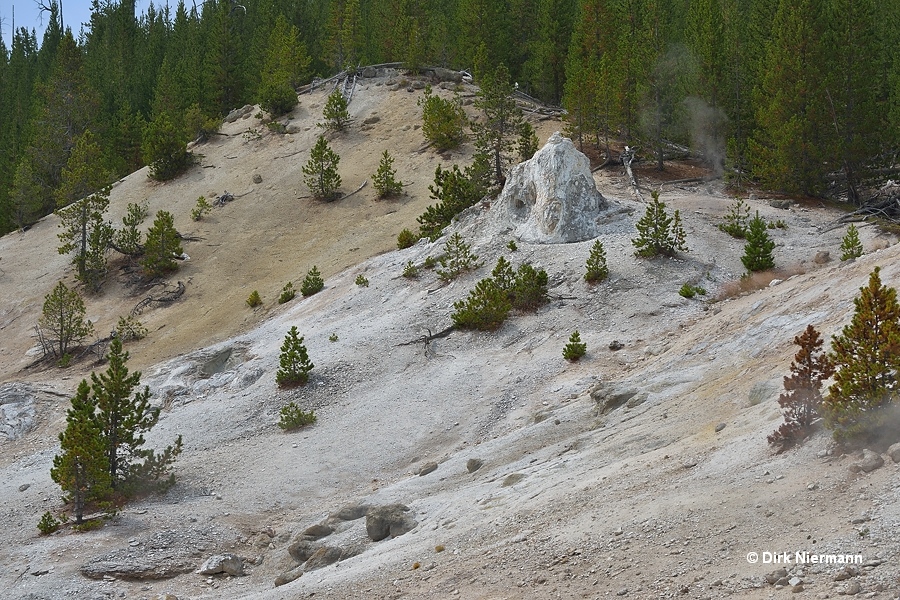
(616, 345)
(610, 397)
(371, 120)
(24, 487)
(846, 572)
(289, 576)
(416, 84)
(166, 597)
(324, 556)
(257, 178)
(351, 512)
(317, 531)
(473, 464)
(441, 75)
(302, 549)
(894, 452)
(238, 113)
(822, 257)
(429, 467)
(782, 204)
(390, 520)
(551, 198)
(852, 588)
(869, 462)
(369, 72)
(137, 568)
(720, 427)
(230, 564)
(512, 479)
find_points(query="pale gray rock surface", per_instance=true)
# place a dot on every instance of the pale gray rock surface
(551, 198)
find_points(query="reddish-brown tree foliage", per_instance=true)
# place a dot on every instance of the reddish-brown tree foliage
(802, 396)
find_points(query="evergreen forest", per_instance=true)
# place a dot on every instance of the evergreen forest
(798, 96)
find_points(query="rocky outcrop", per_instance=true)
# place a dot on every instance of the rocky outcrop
(390, 520)
(230, 564)
(869, 462)
(551, 198)
(17, 410)
(610, 397)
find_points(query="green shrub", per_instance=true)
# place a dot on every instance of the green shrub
(162, 246)
(503, 275)
(777, 224)
(443, 121)
(454, 191)
(320, 172)
(254, 300)
(529, 291)
(361, 281)
(457, 258)
(658, 233)
(335, 112)
(293, 417)
(851, 247)
(48, 523)
(129, 328)
(312, 283)
(511, 244)
(737, 220)
(88, 525)
(406, 238)
(410, 270)
(485, 309)
(333, 337)
(294, 361)
(384, 179)
(287, 293)
(202, 207)
(689, 291)
(431, 262)
(596, 269)
(758, 249)
(164, 148)
(575, 349)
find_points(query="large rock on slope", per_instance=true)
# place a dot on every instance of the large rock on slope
(551, 198)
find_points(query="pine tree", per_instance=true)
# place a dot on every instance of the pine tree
(758, 249)
(503, 275)
(384, 179)
(529, 291)
(164, 147)
(575, 349)
(162, 246)
(851, 247)
(128, 239)
(124, 419)
(285, 66)
(658, 233)
(867, 358)
(528, 142)
(83, 198)
(802, 397)
(485, 308)
(81, 468)
(457, 258)
(596, 269)
(502, 120)
(454, 191)
(335, 112)
(320, 172)
(443, 121)
(62, 323)
(294, 361)
(312, 283)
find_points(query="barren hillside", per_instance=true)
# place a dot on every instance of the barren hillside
(663, 496)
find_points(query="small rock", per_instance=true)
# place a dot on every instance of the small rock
(868, 463)
(429, 467)
(822, 257)
(25, 486)
(473, 464)
(689, 463)
(317, 531)
(622, 592)
(369, 72)
(371, 120)
(289, 576)
(166, 597)
(512, 479)
(782, 204)
(852, 588)
(389, 520)
(230, 564)
(797, 588)
(257, 178)
(324, 556)
(720, 427)
(893, 452)
(616, 345)
(846, 572)
(793, 581)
